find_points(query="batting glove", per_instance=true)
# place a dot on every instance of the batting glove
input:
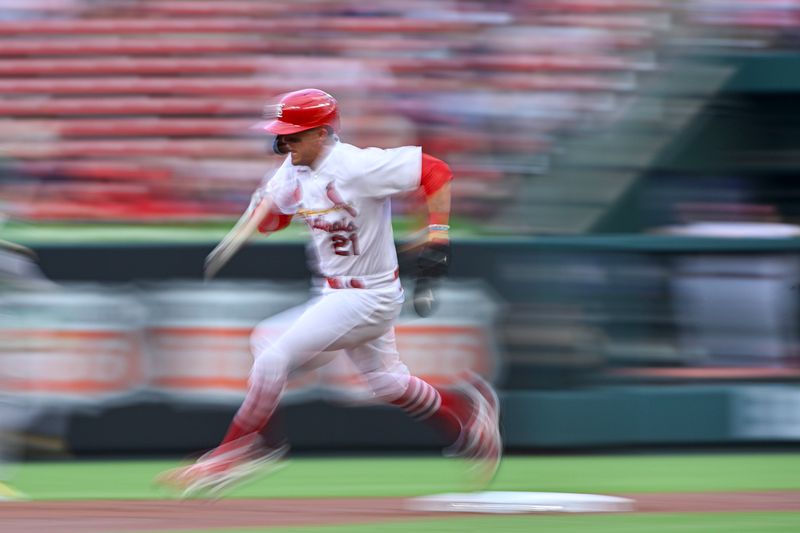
(433, 264)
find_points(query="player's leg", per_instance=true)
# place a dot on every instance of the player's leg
(337, 319)
(241, 452)
(326, 323)
(264, 336)
(466, 415)
(308, 334)
(268, 377)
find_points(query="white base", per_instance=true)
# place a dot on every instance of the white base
(520, 502)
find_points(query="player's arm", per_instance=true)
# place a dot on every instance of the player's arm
(435, 181)
(261, 215)
(433, 261)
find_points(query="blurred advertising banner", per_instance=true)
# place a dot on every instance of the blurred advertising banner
(736, 309)
(80, 343)
(198, 335)
(191, 341)
(767, 412)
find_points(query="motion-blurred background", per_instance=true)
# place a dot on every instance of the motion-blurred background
(625, 214)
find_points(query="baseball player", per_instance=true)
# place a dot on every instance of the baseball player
(342, 193)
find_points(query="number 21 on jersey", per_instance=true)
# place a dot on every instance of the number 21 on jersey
(345, 244)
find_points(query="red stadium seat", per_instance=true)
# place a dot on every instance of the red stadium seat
(45, 105)
(232, 26)
(152, 102)
(221, 148)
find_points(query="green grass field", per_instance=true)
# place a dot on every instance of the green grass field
(654, 523)
(43, 233)
(371, 477)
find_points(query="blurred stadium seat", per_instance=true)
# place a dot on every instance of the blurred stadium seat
(147, 92)
(98, 95)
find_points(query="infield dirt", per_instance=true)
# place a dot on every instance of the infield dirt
(119, 516)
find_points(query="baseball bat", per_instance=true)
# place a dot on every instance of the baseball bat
(17, 248)
(236, 238)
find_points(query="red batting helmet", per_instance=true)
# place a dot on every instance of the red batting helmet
(302, 110)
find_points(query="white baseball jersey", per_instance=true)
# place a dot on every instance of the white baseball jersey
(345, 202)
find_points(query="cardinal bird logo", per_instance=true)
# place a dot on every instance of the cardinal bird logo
(338, 203)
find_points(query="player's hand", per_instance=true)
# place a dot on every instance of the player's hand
(434, 259)
(433, 264)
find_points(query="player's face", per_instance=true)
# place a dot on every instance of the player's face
(305, 146)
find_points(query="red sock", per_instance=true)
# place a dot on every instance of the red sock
(256, 411)
(437, 407)
(235, 432)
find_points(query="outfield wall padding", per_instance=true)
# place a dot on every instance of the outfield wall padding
(602, 417)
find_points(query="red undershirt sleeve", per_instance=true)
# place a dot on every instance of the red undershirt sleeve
(435, 173)
(274, 221)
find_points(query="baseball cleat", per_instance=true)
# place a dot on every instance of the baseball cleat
(223, 468)
(480, 442)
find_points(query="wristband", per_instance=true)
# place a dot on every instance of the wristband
(438, 233)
